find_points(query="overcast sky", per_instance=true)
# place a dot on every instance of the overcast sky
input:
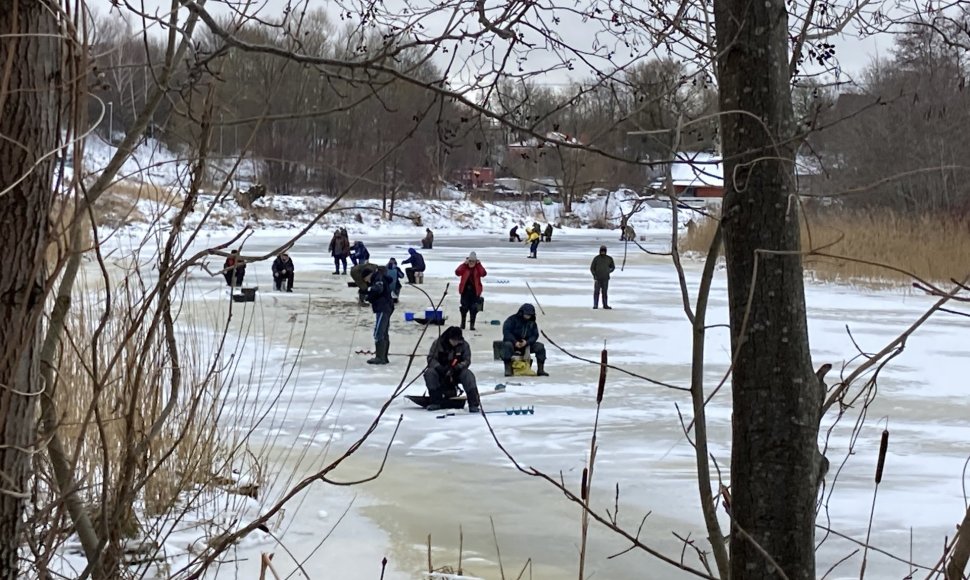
(853, 54)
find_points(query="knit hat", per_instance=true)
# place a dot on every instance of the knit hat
(473, 256)
(602, 248)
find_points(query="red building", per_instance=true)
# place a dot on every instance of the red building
(475, 177)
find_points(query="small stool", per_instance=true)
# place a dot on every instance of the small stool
(419, 277)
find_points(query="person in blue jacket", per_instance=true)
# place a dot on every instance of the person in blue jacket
(382, 303)
(417, 264)
(359, 253)
(520, 331)
(395, 274)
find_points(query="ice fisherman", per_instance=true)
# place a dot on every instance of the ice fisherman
(470, 274)
(359, 253)
(601, 268)
(283, 272)
(547, 234)
(519, 332)
(448, 362)
(514, 234)
(234, 269)
(395, 273)
(339, 249)
(382, 303)
(428, 239)
(417, 265)
(533, 241)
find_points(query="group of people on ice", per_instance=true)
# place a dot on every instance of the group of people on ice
(449, 358)
(533, 235)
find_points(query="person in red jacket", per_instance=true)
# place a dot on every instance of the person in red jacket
(470, 273)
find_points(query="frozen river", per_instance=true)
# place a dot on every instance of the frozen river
(306, 396)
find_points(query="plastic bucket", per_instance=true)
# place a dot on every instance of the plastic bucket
(408, 317)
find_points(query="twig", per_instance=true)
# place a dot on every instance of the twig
(498, 551)
(534, 298)
(612, 367)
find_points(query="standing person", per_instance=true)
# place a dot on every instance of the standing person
(234, 269)
(339, 248)
(428, 240)
(417, 265)
(283, 272)
(601, 268)
(448, 362)
(395, 274)
(533, 241)
(548, 233)
(359, 253)
(470, 288)
(514, 234)
(381, 302)
(519, 332)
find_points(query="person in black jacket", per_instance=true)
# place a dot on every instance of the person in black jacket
(547, 233)
(359, 253)
(448, 362)
(283, 272)
(520, 331)
(417, 264)
(514, 234)
(379, 285)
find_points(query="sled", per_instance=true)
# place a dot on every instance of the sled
(457, 402)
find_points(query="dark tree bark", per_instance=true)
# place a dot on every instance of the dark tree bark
(777, 397)
(29, 92)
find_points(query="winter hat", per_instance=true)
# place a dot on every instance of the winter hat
(602, 248)
(527, 310)
(412, 251)
(473, 256)
(452, 333)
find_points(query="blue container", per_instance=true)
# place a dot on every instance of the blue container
(408, 316)
(434, 315)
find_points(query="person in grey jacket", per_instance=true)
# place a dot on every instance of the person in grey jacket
(601, 268)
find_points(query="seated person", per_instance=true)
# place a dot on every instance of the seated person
(519, 332)
(448, 362)
(234, 269)
(417, 264)
(428, 239)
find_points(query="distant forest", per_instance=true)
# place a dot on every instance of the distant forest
(899, 138)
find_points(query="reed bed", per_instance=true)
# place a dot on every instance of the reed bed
(880, 248)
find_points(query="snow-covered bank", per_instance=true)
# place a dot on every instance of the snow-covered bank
(151, 191)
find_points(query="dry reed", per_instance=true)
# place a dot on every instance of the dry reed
(878, 248)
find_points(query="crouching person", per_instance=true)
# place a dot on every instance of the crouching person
(448, 362)
(520, 332)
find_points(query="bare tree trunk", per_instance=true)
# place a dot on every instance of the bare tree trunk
(777, 397)
(29, 93)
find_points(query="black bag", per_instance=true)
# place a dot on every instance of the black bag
(480, 305)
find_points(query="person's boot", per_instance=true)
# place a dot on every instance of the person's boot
(508, 368)
(541, 369)
(376, 359)
(474, 409)
(385, 346)
(463, 320)
(472, 325)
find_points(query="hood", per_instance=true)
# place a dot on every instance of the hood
(527, 309)
(412, 251)
(450, 333)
